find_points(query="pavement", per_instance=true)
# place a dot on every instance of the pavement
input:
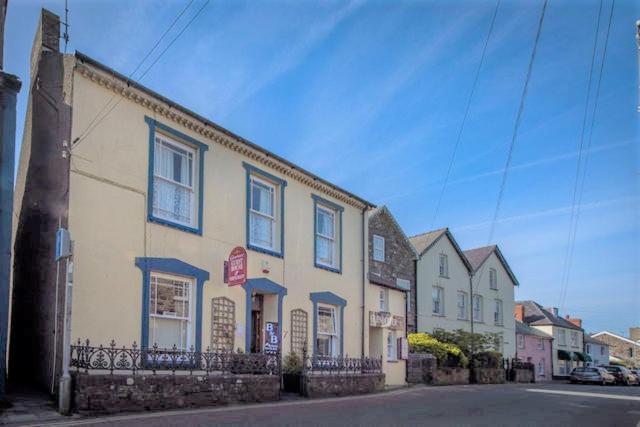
(551, 404)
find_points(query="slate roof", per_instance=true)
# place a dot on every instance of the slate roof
(478, 256)
(423, 242)
(589, 339)
(524, 329)
(534, 314)
(384, 210)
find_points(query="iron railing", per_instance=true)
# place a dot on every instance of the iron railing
(509, 364)
(341, 365)
(85, 357)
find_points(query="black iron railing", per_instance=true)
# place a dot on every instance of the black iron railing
(85, 357)
(341, 365)
(509, 364)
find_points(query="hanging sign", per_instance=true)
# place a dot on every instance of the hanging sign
(237, 267)
(271, 339)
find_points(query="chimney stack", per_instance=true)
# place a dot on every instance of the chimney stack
(577, 322)
(519, 312)
(634, 333)
(553, 310)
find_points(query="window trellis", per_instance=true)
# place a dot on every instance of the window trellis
(299, 335)
(223, 322)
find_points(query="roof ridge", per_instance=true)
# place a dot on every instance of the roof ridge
(428, 232)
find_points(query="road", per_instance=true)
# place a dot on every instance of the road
(474, 405)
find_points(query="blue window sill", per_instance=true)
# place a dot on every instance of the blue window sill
(331, 269)
(265, 251)
(175, 225)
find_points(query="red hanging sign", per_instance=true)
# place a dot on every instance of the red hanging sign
(237, 266)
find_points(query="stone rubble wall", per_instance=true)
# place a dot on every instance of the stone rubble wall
(335, 385)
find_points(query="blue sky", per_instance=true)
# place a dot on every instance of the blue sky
(370, 95)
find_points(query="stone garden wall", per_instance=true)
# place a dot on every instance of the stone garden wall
(489, 376)
(522, 376)
(334, 385)
(104, 393)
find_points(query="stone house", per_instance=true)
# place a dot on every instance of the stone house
(155, 198)
(391, 291)
(568, 336)
(493, 296)
(598, 351)
(534, 346)
(627, 349)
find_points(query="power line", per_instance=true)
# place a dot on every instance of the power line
(93, 124)
(571, 244)
(516, 126)
(466, 114)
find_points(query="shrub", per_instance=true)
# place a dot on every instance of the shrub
(447, 354)
(488, 359)
(466, 341)
(292, 364)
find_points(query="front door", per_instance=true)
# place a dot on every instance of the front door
(256, 324)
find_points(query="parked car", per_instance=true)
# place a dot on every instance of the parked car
(636, 372)
(592, 375)
(622, 374)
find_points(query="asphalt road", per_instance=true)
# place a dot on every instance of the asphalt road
(473, 405)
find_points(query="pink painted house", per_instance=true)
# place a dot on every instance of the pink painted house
(534, 346)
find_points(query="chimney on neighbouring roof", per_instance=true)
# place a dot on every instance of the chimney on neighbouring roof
(634, 333)
(519, 312)
(577, 322)
(553, 310)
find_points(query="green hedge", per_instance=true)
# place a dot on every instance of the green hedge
(447, 354)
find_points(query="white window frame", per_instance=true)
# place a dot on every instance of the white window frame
(392, 346)
(383, 300)
(332, 239)
(462, 308)
(160, 139)
(477, 301)
(541, 367)
(588, 348)
(378, 248)
(443, 265)
(334, 338)
(520, 339)
(493, 279)
(273, 188)
(439, 293)
(408, 301)
(562, 337)
(498, 313)
(540, 343)
(573, 336)
(152, 315)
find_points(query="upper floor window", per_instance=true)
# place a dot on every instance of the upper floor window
(562, 337)
(175, 178)
(574, 339)
(540, 344)
(588, 348)
(477, 308)
(630, 351)
(520, 341)
(392, 349)
(265, 211)
(601, 350)
(378, 248)
(497, 313)
(462, 305)
(444, 265)
(328, 234)
(438, 300)
(383, 300)
(493, 278)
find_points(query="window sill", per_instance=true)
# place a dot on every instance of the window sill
(464, 319)
(478, 321)
(264, 251)
(175, 225)
(444, 277)
(392, 361)
(325, 267)
(437, 315)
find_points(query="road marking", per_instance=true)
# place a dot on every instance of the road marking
(585, 394)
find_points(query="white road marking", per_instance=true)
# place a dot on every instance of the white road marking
(585, 394)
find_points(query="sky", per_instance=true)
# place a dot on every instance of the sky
(371, 96)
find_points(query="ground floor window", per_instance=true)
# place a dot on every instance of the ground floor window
(170, 311)
(392, 349)
(541, 367)
(327, 336)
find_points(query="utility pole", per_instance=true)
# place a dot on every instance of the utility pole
(9, 88)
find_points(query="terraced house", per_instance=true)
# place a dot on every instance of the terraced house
(155, 198)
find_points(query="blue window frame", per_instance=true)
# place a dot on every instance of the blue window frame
(327, 234)
(170, 266)
(176, 178)
(264, 211)
(333, 300)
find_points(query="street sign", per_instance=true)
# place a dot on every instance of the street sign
(271, 339)
(237, 267)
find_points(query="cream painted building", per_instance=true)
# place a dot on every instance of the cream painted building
(493, 296)
(443, 283)
(155, 198)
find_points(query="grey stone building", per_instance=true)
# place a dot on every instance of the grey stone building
(626, 349)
